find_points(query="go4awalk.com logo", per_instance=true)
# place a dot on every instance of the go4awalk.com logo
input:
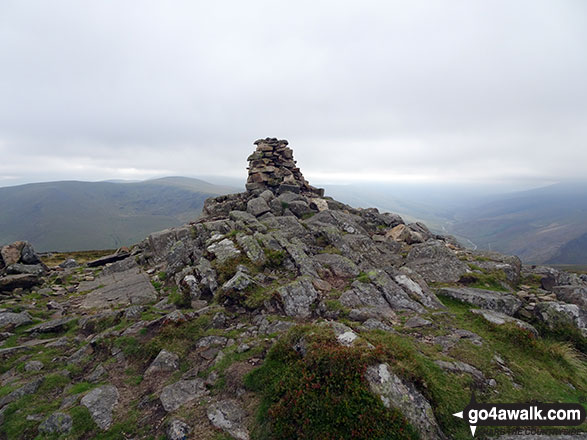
(521, 414)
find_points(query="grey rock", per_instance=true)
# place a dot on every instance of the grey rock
(57, 423)
(102, 261)
(28, 254)
(435, 262)
(295, 248)
(24, 281)
(32, 269)
(29, 388)
(96, 375)
(33, 366)
(339, 265)
(461, 367)
(55, 325)
(300, 208)
(208, 341)
(501, 318)
(101, 402)
(68, 264)
(219, 320)
(131, 287)
(239, 282)
(555, 314)
(572, 295)
(395, 392)
(133, 312)
(165, 362)
(257, 206)
(375, 324)
(417, 322)
(251, 247)
(297, 297)
(177, 394)
(9, 319)
(224, 250)
(502, 302)
(418, 292)
(228, 416)
(178, 430)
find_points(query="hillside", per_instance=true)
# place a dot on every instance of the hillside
(541, 225)
(72, 215)
(284, 314)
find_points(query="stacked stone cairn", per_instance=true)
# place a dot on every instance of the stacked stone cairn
(272, 167)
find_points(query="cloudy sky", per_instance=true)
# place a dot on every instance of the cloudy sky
(484, 91)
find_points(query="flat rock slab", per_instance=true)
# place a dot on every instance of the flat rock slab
(54, 325)
(122, 288)
(101, 402)
(228, 416)
(501, 319)
(404, 396)
(107, 259)
(10, 282)
(502, 302)
(8, 319)
(175, 395)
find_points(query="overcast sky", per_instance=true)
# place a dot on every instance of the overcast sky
(485, 91)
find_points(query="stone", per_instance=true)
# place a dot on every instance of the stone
(31, 269)
(97, 375)
(68, 264)
(57, 423)
(297, 297)
(405, 234)
(397, 393)
(11, 253)
(177, 394)
(572, 295)
(239, 282)
(415, 290)
(502, 302)
(436, 263)
(228, 416)
(101, 402)
(8, 283)
(501, 319)
(340, 266)
(223, 250)
(55, 325)
(251, 247)
(28, 388)
(417, 322)
(131, 287)
(257, 206)
(11, 319)
(178, 430)
(28, 254)
(557, 314)
(461, 367)
(33, 366)
(165, 362)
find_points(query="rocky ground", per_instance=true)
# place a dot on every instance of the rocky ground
(282, 314)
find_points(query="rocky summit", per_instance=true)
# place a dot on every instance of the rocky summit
(281, 313)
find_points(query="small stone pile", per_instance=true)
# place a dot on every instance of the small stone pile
(272, 167)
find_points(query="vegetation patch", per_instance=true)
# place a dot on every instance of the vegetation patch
(322, 395)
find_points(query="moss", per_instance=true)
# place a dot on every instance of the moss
(162, 275)
(182, 300)
(365, 277)
(273, 259)
(322, 395)
(490, 281)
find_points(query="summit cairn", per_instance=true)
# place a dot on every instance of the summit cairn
(272, 167)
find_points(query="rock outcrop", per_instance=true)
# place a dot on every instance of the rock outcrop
(281, 313)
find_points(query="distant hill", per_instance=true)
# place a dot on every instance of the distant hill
(544, 225)
(73, 215)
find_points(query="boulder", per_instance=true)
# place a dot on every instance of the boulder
(224, 250)
(177, 394)
(403, 396)
(11, 319)
(228, 416)
(572, 295)
(101, 402)
(298, 297)
(498, 318)
(24, 281)
(436, 263)
(257, 206)
(339, 265)
(556, 314)
(57, 423)
(165, 362)
(502, 302)
(32, 269)
(178, 430)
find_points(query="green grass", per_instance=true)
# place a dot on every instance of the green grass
(322, 395)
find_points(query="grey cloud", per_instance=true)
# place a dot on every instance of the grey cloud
(455, 90)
